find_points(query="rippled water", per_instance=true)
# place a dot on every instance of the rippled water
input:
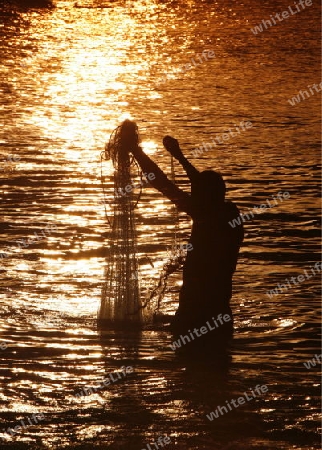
(69, 75)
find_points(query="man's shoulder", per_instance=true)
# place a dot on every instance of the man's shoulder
(231, 208)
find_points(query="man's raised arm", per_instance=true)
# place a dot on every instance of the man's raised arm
(172, 145)
(161, 182)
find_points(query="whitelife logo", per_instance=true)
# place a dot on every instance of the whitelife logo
(285, 15)
(241, 401)
(258, 209)
(203, 57)
(32, 240)
(220, 139)
(33, 420)
(304, 94)
(106, 382)
(3, 346)
(312, 362)
(300, 278)
(203, 330)
(161, 441)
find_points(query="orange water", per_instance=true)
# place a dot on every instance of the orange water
(68, 77)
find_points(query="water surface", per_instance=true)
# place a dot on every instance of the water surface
(69, 75)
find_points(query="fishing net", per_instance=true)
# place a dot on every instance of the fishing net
(121, 300)
(121, 291)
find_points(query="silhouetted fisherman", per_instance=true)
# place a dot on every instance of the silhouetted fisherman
(210, 265)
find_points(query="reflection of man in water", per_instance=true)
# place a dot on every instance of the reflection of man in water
(209, 266)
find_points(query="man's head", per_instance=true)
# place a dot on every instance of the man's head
(129, 135)
(208, 190)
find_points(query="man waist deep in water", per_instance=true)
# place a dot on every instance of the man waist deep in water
(210, 265)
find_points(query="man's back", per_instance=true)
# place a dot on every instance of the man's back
(210, 265)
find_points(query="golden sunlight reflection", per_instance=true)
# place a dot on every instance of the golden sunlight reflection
(94, 355)
(22, 266)
(149, 147)
(75, 306)
(71, 75)
(79, 86)
(124, 116)
(23, 407)
(284, 323)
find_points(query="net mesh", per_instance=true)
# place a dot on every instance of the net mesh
(120, 300)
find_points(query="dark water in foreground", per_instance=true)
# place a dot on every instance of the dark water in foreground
(68, 77)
